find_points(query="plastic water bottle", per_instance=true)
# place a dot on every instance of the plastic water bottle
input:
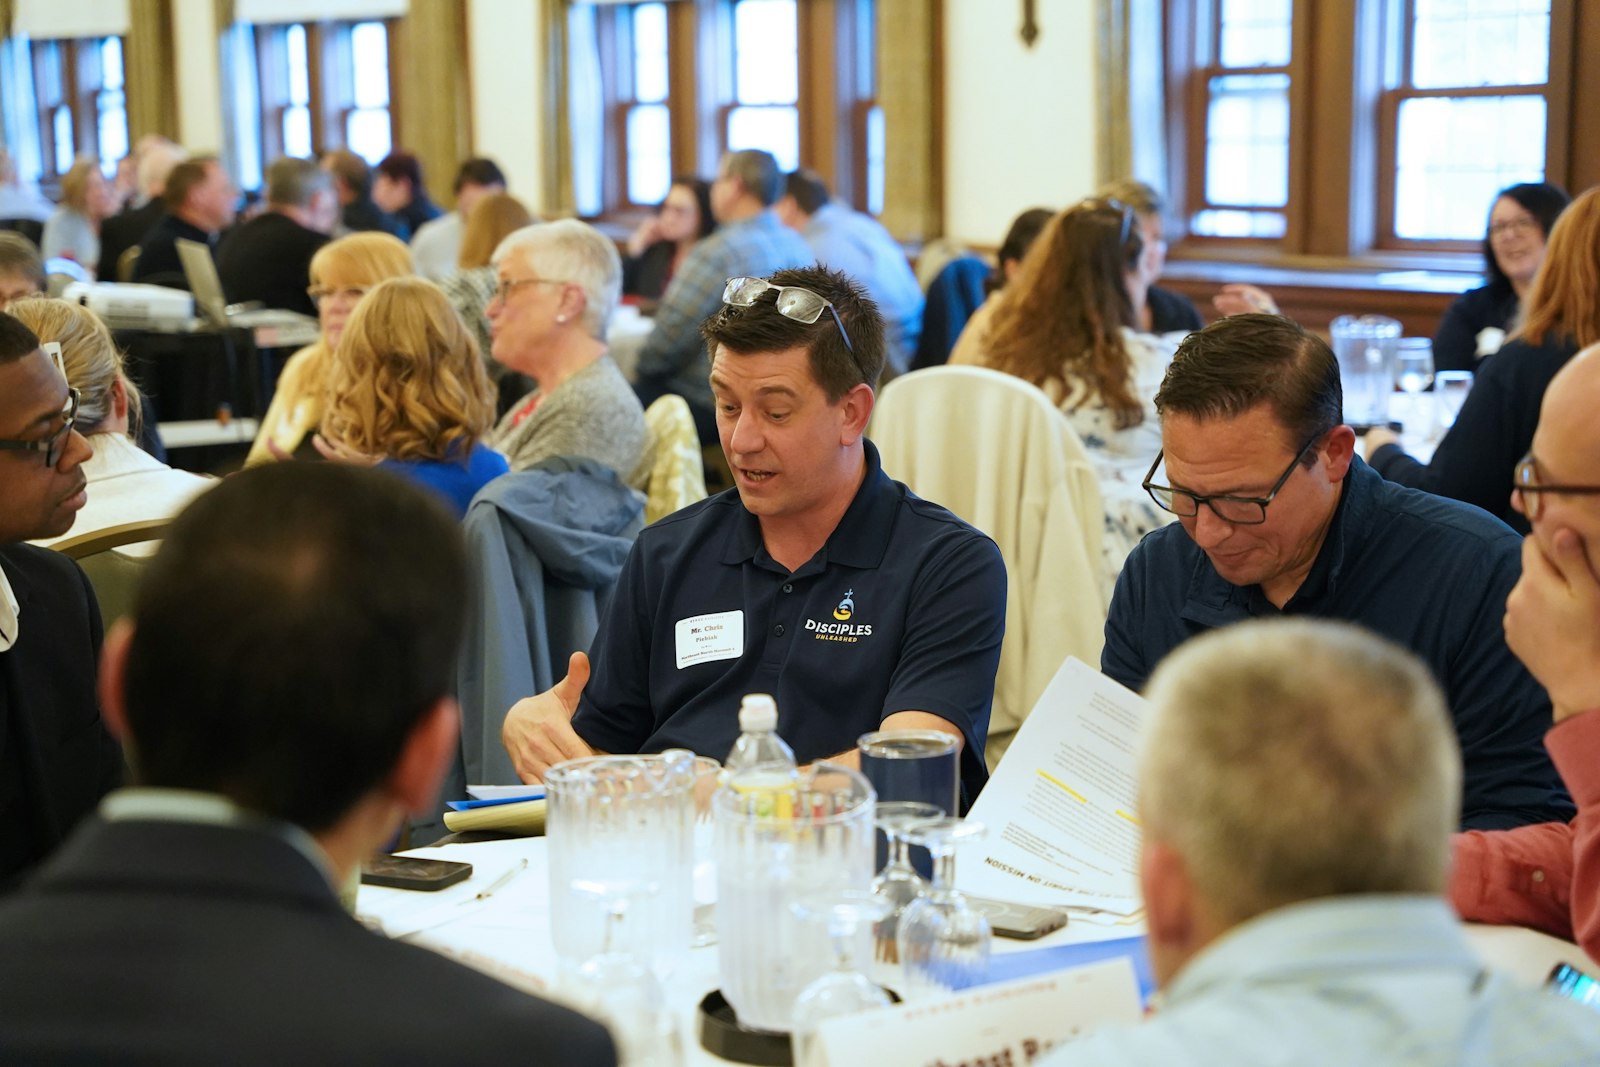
(758, 737)
(759, 746)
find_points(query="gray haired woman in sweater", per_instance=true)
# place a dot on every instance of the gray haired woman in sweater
(557, 286)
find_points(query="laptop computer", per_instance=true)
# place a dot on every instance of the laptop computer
(201, 271)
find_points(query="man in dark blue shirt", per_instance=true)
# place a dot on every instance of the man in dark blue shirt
(817, 579)
(1278, 515)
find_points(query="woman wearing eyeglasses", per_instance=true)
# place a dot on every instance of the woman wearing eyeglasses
(1066, 324)
(1476, 324)
(1477, 458)
(558, 284)
(407, 391)
(125, 483)
(341, 273)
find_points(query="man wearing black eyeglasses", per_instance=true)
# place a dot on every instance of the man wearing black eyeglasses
(1548, 876)
(56, 758)
(817, 579)
(1277, 515)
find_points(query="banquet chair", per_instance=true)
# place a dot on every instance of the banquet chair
(546, 546)
(114, 575)
(671, 473)
(996, 452)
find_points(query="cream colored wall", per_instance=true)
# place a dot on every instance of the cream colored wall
(507, 90)
(1019, 122)
(199, 75)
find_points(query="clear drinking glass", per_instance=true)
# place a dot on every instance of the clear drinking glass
(619, 988)
(898, 884)
(943, 941)
(1450, 389)
(843, 990)
(1413, 370)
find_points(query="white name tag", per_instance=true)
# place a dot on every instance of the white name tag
(707, 638)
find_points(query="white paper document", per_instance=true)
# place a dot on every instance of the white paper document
(1009, 1022)
(1060, 808)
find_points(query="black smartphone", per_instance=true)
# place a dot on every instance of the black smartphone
(1023, 922)
(1575, 985)
(409, 872)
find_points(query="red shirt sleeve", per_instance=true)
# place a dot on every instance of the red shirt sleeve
(1546, 876)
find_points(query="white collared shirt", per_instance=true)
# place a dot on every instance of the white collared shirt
(10, 612)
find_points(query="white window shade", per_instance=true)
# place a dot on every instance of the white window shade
(45, 20)
(267, 12)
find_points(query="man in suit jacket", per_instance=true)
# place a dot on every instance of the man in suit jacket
(56, 758)
(269, 258)
(200, 200)
(286, 703)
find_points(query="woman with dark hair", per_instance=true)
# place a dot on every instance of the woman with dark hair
(1477, 459)
(1066, 323)
(658, 247)
(1519, 225)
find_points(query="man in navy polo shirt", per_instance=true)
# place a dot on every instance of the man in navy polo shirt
(1279, 516)
(818, 579)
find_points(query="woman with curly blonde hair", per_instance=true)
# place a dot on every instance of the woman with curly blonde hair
(1066, 323)
(341, 273)
(407, 390)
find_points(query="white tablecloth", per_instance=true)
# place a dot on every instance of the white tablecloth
(508, 935)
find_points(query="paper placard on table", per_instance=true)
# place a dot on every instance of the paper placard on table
(1060, 807)
(1009, 1022)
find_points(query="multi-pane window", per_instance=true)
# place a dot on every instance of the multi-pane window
(317, 85)
(1348, 126)
(765, 111)
(664, 88)
(641, 105)
(1469, 111)
(1246, 84)
(80, 104)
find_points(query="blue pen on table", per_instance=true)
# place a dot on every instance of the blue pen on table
(500, 882)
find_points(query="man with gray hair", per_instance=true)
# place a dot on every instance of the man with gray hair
(750, 241)
(1299, 781)
(268, 259)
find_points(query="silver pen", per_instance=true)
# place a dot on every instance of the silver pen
(501, 882)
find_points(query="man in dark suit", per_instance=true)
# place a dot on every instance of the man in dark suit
(283, 687)
(200, 200)
(56, 758)
(268, 259)
(127, 227)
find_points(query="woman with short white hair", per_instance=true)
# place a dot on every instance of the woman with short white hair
(557, 286)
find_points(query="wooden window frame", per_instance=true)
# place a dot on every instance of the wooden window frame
(1340, 110)
(331, 82)
(700, 95)
(79, 87)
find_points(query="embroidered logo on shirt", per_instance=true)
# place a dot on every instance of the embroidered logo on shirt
(843, 630)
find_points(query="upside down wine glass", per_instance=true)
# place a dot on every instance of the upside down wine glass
(943, 941)
(843, 990)
(898, 884)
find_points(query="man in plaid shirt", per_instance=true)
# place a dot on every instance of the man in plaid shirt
(750, 240)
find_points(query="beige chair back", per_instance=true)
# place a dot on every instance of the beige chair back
(671, 473)
(114, 575)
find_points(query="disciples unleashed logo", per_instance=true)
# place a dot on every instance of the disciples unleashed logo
(843, 630)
